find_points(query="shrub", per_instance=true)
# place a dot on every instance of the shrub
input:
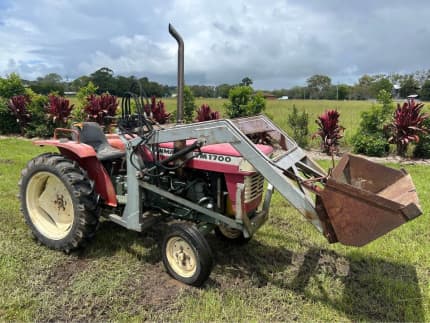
(157, 111)
(371, 144)
(59, 109)
(39, 125)
(8, 124)
(11, 86)
(243, 103)
(407, 123)
(329, 131)
(422, 149)
(99, 108)
(189, 105)
(299, 124)
(204, 113)
(84, 92)
(18, 106)
(371, 137)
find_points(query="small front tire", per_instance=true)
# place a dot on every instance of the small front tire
(230, 235)
(186, 254)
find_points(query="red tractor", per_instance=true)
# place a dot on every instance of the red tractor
(201, 177)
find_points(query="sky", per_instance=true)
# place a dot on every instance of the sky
(278, 44)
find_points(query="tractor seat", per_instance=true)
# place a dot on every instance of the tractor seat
(92, 134)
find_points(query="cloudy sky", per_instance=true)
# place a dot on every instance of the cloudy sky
(276, 43)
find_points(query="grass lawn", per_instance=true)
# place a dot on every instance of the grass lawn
(287, 272)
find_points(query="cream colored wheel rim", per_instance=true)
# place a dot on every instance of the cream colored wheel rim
(49, 205)
(229, 233)
(181, 257)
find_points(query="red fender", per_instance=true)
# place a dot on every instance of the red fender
(86, 157)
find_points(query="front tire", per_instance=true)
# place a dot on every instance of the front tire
(58, 202)
(230, 235)
(186, 254)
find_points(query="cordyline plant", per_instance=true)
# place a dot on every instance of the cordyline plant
(98, 108)
(157, 111)
(18, 107)
(407, 123)
(204, 113)
(329, 130)
(59, 109)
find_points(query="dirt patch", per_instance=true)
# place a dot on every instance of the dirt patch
(7, 161)
(153, 289)
(61, 276)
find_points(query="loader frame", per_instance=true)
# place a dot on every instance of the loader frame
(234, 132)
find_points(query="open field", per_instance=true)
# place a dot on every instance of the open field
(287, 272)
(350, 112)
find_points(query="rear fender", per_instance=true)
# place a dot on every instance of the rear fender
(86, 157)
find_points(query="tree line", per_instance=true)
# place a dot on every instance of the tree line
(316, 87)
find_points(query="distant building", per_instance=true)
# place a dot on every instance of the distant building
(284, 97)
(70, 93)
(269, 96)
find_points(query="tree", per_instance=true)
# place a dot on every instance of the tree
(318, 85)
(104, 80)
(246, 81)
(81, 81)
(49, 83)
(222, 90)
(379, 85)
(408, 86)
(124, 84)
(425, 91)
(362, 90)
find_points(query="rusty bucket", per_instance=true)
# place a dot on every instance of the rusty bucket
(364, 200)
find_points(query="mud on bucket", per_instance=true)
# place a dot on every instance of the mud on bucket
(364, 200)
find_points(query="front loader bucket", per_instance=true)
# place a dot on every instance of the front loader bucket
(365, 200)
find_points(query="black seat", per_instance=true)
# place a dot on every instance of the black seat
(92, 134)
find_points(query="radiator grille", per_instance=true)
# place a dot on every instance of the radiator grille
(254, 186)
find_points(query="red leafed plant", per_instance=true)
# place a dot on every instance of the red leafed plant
(157, 111)
(18, 107)
(100, 107)
(407, 123)
(204, 113)
(329, 130)
(59, 109)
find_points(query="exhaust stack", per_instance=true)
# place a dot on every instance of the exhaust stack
(180, 97)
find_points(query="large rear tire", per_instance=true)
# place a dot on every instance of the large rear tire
(186, 254)
(58, 202)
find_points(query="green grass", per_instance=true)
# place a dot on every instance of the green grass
(287, 272)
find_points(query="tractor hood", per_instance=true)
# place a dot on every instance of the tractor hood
(223, 158)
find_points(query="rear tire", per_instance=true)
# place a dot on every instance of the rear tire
(186, 254)
(58, 202)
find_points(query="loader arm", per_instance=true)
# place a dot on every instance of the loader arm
(363, 217)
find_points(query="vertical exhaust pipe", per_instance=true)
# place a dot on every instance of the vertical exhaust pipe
(179, 144)
(180, 95)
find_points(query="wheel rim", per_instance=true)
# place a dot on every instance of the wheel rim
(181, 257)
(49, 205)
(229, 232)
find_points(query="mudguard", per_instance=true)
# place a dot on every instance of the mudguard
(86, 157)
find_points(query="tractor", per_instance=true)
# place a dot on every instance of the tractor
(214, 176)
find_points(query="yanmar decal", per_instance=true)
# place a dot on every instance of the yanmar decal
(231, 160)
